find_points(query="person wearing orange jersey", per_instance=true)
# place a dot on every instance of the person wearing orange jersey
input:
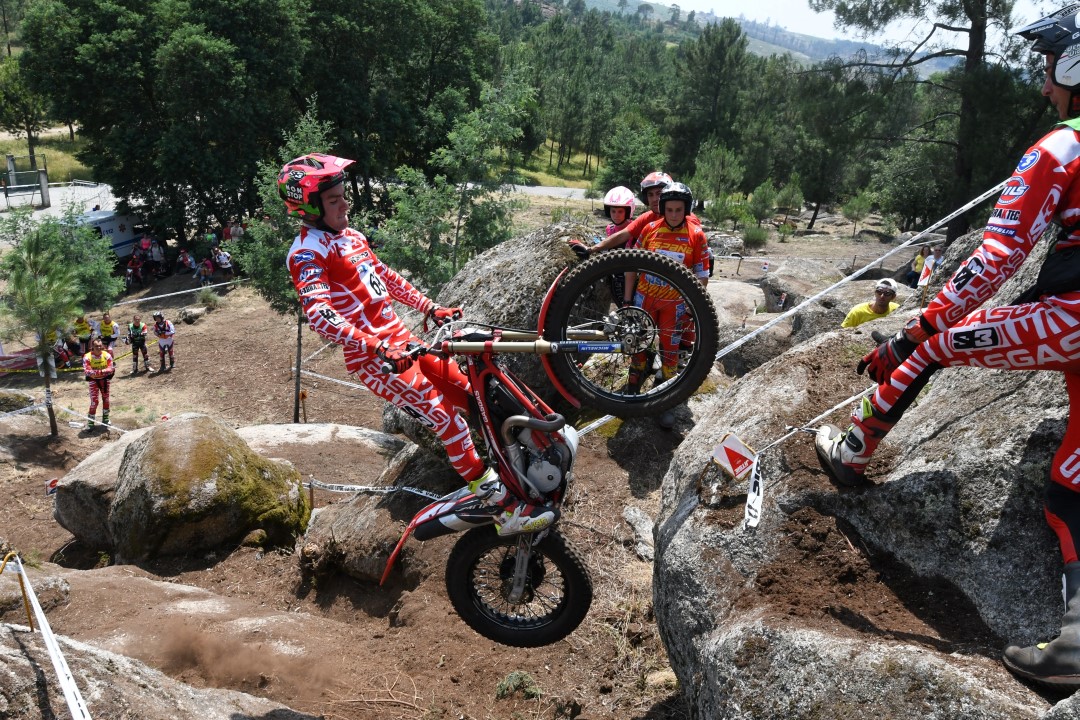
(630, 236)
(677, 238)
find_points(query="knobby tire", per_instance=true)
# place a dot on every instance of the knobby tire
(582, 300)
(560, 589)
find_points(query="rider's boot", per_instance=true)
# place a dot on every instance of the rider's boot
(844, 455)
(1055, 663)
(515, 516)
(90, 423)
(105, 417)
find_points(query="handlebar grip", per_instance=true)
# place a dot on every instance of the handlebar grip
(386, 369)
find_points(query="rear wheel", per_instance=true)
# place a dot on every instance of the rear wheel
(582, 307)
(556, 595)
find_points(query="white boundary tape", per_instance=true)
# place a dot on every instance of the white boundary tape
(858, 273)
(22, 411)
(369, 489)
(87, 417)
(346, 383)
(74, 698)
(136, 301)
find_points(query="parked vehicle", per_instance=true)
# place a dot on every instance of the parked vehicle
(122, 230)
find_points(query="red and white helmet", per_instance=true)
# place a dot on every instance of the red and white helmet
(302, 181)
(653, 179)
(619, 196)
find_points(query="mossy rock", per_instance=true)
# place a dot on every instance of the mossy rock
(193, 484)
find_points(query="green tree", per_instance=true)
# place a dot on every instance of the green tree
(762, 203)
(22, 110)
(634, 150)
(440, 224)
(177, 101)
(264, 249)
(857, 208)
(711, 74)
(45, 282)
(836, 109)
(790, 197)
(89, 255)
(717, 171)
(955, 30)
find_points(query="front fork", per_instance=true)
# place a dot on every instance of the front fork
(521, 568)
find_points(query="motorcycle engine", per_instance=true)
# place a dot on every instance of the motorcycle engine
(546, 467)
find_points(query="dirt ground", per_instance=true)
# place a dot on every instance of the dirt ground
(402, 653)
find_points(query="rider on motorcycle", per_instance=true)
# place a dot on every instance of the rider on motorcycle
(347, 295)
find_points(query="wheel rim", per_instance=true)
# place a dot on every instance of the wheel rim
(608, 373)
(545, 594)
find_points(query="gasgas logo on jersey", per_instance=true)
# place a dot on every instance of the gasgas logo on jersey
(1015, 187)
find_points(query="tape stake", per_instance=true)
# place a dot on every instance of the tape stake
(754, 496)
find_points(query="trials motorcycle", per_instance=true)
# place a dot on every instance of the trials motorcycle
(534, 589)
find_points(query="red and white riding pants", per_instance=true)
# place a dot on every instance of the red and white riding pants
(99, 388)
(433, 390)
(1033, 336)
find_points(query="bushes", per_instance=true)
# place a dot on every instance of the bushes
(754, 237)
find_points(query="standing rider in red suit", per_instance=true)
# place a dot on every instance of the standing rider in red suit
(1040, 332)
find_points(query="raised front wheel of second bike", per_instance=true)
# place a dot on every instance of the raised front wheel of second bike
(537, 601)
(584, 308)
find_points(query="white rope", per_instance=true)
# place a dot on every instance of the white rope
(809, 425)
(30, 408)
(180, 292)
(318, 352)
(76, 704)
(87, 417)
(370, 489)
(333, 380)
(858, 273)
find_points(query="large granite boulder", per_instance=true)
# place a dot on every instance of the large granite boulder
(952, 526)
(357, 537)
(193, 484)
(84, 496)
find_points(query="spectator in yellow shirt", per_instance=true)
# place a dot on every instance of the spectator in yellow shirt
(879, 307)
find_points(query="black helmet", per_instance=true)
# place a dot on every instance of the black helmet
(677, 191)
(158, 315)
(1056, 35)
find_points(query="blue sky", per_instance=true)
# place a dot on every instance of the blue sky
(796, 15)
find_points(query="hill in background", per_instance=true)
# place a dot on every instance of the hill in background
(770, 39)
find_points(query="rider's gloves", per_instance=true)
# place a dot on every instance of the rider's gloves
(880, 362)
(580, 248)
(395, 358)
(440, 315)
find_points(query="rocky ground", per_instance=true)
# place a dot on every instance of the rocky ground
(247, 621)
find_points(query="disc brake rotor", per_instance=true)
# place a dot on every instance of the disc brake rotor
(633, 327)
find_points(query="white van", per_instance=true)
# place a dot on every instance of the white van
(120, 229)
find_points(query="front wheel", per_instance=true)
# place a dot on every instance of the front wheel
(554, 599)
(669, 340)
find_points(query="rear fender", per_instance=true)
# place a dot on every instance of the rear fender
(457, 511)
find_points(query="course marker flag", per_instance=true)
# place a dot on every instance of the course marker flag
(733, 456)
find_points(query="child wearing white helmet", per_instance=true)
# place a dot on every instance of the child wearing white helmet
(619, 208)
